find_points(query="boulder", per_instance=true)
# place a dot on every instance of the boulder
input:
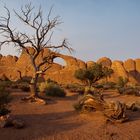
(105, 61)
(18, 124)
(130, 65)
(90, 63)
(7, 120)
(119, 70)
(137, 61)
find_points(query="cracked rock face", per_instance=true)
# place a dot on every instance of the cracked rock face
(64, 74)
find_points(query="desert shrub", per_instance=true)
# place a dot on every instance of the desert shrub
(14, 86)
(75, 88)
(129, 91)
(121, 90)
(4, 100)
(25, 79)
(106, 85)
(98, 86)
(25, 88)
(122, 82)
(109, 85)
(51, 81)
(52, 89)
(6, 83)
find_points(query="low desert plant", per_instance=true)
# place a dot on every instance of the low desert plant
(99, 86)
(122, 82)
(52, 89)
(129, 91)
(51, 81)
(24, 79)
(4, 100)
(6, 83)
(75, 88)
(109, 85)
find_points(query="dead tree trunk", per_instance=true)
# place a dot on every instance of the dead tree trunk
(33, 86)
(114, 111)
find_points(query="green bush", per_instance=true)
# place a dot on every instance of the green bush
(6, 83)
(109, 85)
(129, 91)
(92, 74)
(122, 82)
(98, 86)
(4, 100)
(52, 89)
(25, 79)
(51, 81)
(105, 85)
(75, 88)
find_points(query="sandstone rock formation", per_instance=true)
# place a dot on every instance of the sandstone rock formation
(105, 61)
(119, 70)
(129, 65)
(90, 63)
(137, 61)
(11, 65)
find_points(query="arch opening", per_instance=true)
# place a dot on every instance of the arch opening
(60, 61)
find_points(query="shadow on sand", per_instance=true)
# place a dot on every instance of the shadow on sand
(42, 125)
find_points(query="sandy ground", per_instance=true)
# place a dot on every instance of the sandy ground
(59, 121)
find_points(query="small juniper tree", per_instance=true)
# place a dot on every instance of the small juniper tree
(40, 39)
(92, 74)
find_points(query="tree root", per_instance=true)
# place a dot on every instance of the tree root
(115, 111)
(33, 98)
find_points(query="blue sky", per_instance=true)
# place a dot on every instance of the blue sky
(94, 28)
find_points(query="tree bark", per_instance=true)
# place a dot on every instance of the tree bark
(33, 86)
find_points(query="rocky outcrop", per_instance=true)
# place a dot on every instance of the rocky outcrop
(105, 62)
(130, 65)
(10, 66)
(119, 70)
(137, 61)
(90, 63)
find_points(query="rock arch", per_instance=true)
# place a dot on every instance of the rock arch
(60, 61)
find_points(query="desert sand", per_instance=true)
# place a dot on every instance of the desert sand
(59, 121)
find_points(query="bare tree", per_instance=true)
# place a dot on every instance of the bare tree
(42, 34)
